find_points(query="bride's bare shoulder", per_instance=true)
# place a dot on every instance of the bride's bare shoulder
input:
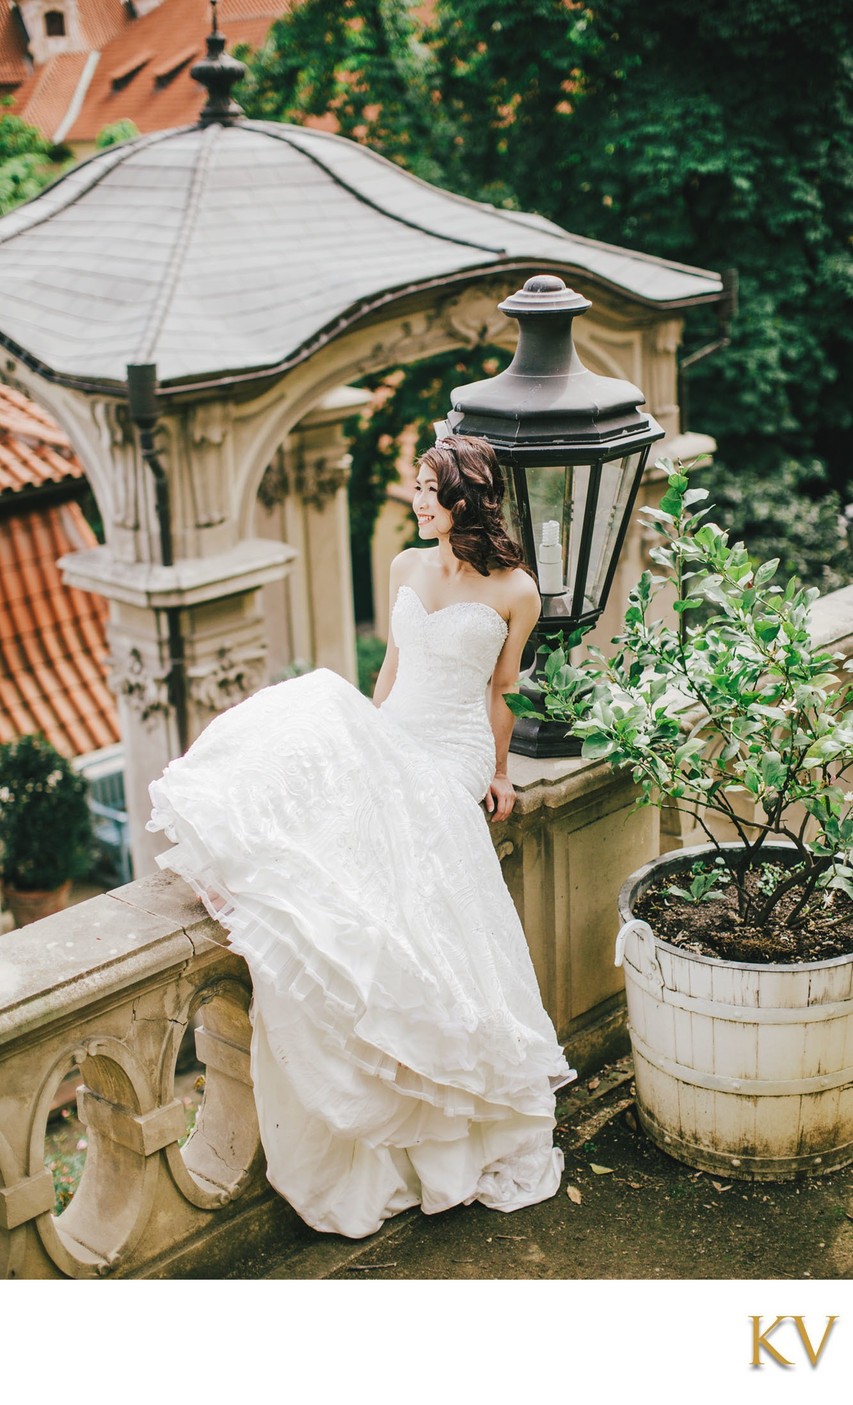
(405, 562)
(520, 592)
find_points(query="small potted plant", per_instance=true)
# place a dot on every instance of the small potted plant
(738, 954)
(45, 827)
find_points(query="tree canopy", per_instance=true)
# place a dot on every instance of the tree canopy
(714, 135)
(27, 161)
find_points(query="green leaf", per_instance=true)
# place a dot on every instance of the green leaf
(773, 771)
(766, 571)
(520, 706)
(671, 503)
(695, 495)
(844, 884)
(554, 663)
(597, 746)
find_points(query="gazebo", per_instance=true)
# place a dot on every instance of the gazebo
(260, 268)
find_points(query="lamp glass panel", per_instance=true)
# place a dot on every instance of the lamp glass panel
(509, 507)
(614, 496)
(557, 498)
(574, 516)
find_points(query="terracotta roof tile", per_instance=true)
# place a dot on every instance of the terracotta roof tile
(33, 449)
(173, 36)
(31, 418)
(143, 51)
(13, 64)
(45, 98)
(101, 20)
(53, 644)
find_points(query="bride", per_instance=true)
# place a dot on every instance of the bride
(400, 1051)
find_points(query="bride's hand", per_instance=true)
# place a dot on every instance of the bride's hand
(500, 798)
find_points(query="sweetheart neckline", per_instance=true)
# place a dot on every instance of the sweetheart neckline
(453, 605)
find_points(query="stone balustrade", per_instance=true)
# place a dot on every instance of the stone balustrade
(111, 986)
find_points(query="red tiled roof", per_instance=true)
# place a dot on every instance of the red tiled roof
(33, 449)
(45, 97)
(13, 67)
(143, 51)
(174, 34)
(53, 643)
(20, 415)
(100, 21)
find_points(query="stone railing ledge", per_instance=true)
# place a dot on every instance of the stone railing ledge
(553, 782)
(53, 968)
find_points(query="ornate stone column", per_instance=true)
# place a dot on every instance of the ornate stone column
(303, 500)
(224, 654)
(187, 640)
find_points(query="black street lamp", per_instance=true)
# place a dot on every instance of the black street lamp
(573, 447)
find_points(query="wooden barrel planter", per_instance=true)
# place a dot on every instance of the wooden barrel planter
(741, 1069)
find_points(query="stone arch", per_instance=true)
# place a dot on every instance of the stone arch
(216, 447)
(101, 436)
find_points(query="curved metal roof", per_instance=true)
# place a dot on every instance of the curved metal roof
(219, 250)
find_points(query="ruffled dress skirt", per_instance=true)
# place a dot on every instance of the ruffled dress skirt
(400, 1051)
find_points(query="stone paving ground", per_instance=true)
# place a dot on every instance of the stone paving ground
(640, 1215)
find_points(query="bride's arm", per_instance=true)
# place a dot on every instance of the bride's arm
(500, 797)
(388, 671)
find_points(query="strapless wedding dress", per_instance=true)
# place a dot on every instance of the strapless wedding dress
(400, 1051)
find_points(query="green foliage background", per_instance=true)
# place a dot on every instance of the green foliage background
(713, 135)
(717, 135)
(45, 824)
(27, 161)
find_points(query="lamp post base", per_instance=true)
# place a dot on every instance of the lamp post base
(530, 737)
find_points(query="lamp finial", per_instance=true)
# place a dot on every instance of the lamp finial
(218, 73)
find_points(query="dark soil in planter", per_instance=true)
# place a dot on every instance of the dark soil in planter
(714, 928)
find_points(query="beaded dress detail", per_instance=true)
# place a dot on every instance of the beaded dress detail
(400, 1051)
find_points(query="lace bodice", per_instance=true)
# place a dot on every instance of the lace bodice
(439, 695)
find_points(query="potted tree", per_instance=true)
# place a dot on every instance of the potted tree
(45, 827)
(738, 954)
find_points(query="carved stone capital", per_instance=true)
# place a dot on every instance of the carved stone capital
(210, 423)
(146, 692)
(314, 478)
(666, 337)
(115, 432)
(232, 677)
(318, 477)
(275, 484)
(112, 418)
(473, 317)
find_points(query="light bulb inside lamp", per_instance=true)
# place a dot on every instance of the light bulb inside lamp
(550, 560)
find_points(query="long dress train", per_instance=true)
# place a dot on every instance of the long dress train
(400, 1051)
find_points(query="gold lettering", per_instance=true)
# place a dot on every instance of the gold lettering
(759, 1340)
(814, 1356)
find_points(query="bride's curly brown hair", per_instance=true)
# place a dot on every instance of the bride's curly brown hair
(471, 488)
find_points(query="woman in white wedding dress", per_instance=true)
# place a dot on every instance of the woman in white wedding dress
(400, 1051)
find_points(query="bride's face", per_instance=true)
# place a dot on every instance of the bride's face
(433, 519)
